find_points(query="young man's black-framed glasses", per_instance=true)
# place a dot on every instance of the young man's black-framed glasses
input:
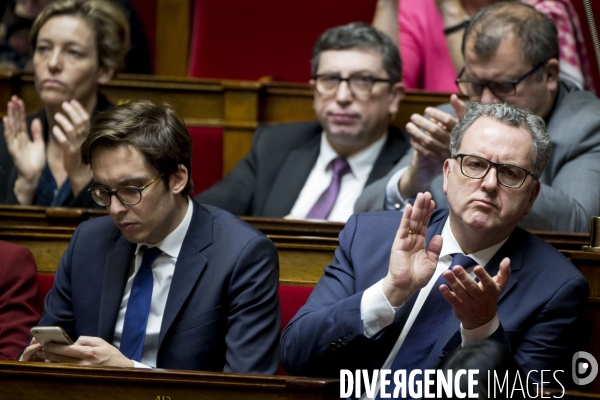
(359, 85)
(500, 89)
(475, 167)
(128, 195)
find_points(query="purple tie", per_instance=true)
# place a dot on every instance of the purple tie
(325, 203)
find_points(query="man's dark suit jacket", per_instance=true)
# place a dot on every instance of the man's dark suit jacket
(267, 182)
(538, 309)
(222, 311)
(18, 299)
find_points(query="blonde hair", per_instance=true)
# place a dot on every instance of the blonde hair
(107, 20)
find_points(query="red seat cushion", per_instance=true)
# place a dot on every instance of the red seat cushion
(291, 299)
(45, 282)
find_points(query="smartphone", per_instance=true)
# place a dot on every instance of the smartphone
(50, 334)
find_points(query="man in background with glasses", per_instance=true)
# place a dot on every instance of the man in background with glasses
(405, 289)
(163, 282)
(317, 170)
(511, 55)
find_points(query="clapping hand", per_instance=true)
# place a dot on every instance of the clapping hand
(411, 267)
(28, 155)
(70, 130)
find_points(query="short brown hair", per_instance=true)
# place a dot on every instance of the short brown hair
(537, 34)
(157, 132)
(107, 20)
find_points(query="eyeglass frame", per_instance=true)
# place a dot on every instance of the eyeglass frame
(495, 165)
(347, 80)
(111, 192)
(487, 84)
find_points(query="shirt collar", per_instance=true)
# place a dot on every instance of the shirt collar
(171, 245)
(361, 163)
(450, 246)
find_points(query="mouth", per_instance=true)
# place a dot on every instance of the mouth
(343, 118)
(484, 203)
(52, 83)
(126, 226)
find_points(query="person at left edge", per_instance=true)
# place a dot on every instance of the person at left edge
(214, 303)
(78, 45)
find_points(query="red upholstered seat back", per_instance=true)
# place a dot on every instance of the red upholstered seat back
(45, 282)
(235, 39)
(207, 156)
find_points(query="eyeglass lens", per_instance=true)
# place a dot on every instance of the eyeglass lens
(359, 85)
(127, 195)
(508, 175)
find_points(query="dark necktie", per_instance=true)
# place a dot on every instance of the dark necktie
(324, 205)
(427, 326)
(138, 306)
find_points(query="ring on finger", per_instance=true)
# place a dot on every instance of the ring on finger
(411, 232)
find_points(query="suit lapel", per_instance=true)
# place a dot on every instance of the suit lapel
(394, 148)
(291, 178)
(189, 266)
(450, 337)
(116, 269)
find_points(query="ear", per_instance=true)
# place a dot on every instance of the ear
(105, 74)
(552, 72)
(396, 95)
(446, 171)
(535, 192)
(312, 86)
(178, 179)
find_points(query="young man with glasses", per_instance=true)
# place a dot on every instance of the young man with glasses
(317, 170)
(511, 55)
(405, 289)
(163, 281)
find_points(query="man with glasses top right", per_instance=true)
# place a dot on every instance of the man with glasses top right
(511, 55)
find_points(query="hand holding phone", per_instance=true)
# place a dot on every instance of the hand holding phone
(50, 334)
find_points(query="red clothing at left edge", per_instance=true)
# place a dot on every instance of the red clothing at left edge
(18, 291)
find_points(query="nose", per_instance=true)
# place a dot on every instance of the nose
(490, 182)
(55, 61)
(116, 207)
(488, 97)
(343, 93)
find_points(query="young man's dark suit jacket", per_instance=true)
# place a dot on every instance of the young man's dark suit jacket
(222, 311)
(538, 309)
(267, 182)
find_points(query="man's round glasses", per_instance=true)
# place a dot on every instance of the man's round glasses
(500, 89)
(128, 195)
(475, 167)
(359, 85)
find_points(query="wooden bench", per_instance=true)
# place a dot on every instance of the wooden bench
(24, 380)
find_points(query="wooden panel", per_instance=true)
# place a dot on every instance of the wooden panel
(25, 380)
(173, 32)
(237, 106)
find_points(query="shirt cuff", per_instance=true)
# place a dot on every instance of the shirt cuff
(376, 312)
(140, 365)
(393, 199)
(470, 336)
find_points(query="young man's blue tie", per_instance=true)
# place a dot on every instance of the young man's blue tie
(138, 306)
